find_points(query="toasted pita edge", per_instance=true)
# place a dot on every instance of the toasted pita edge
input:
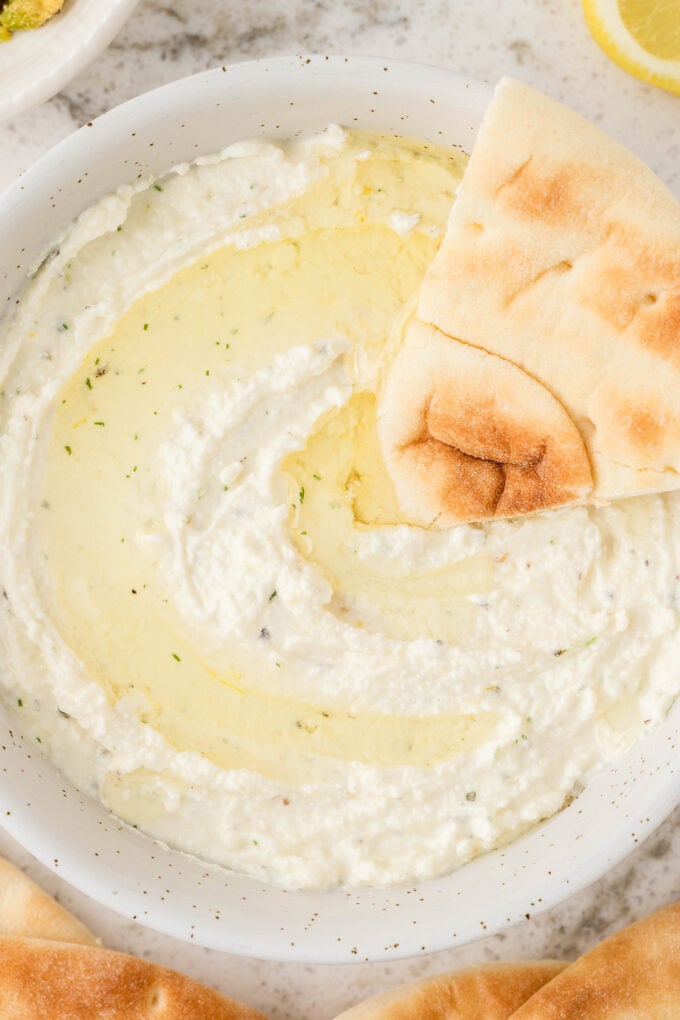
(489, 992)
(467, 435)
(633, 973)
(27, 910)
(64, 981)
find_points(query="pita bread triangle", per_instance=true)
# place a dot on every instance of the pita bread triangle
(42, 978)
(53, 968)
(489, 992)
(27, 910)
(632, 975)
(562, 259)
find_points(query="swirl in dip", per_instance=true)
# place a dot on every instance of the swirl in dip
(216, 617)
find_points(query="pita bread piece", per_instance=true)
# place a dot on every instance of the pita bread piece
(562, 255)
(633, 975)
(27, 910)
(468, 435)
(490, 992)
(55, 980)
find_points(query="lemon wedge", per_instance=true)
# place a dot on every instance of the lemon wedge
(642, 36)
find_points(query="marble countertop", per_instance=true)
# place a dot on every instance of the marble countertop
(544, 42)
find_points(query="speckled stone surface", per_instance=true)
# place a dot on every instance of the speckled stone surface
(545, 42)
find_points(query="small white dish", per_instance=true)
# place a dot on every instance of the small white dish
(173, 892)
(35, 64)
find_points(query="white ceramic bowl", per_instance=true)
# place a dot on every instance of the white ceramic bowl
(170, 891)
(34, 65)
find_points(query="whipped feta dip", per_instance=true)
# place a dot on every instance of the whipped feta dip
(215, 617)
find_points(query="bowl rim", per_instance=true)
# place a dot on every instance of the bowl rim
(28, 827)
